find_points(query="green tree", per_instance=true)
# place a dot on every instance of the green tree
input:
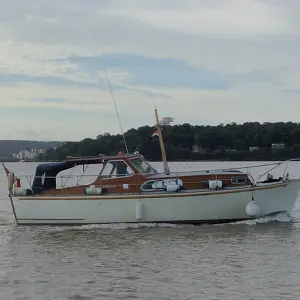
(217, 141)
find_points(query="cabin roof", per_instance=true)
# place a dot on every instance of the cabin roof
(99, 158)
(54, 168)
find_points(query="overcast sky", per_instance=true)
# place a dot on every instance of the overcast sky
(202, 62)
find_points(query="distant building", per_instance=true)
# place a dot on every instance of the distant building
(230, 150)
(277, 146)
(166, 121)
(253, 148)
(28, 154)
(197, 149)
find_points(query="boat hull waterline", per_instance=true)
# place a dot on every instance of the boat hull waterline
(178, 208)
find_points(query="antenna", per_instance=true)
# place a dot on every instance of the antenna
(112, 95)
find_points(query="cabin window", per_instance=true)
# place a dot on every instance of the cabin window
(238, 180)
(78, 175)
(142, 166)
(116, 168)
(148, 186)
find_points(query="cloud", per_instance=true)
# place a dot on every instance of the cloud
(143, 70)
(239, 36)
(199, 61)
(9, 79)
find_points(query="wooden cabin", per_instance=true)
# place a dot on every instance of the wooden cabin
(130, 174)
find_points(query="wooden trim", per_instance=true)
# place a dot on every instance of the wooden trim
(142, 196)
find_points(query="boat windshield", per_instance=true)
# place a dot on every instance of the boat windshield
(142, 166)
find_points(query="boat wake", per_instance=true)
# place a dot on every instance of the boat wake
(278, 218)
(6, 221)
(117, 226)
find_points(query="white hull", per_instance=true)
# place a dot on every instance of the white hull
(200, 207)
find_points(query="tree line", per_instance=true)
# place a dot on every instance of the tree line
(187, 142)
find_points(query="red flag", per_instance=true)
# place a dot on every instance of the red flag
(155, 133)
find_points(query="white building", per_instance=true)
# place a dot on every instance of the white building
(28, 154)
(197, 149)
(254, 148)
(278, 146)
(166, 121)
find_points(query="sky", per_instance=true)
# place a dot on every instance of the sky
(201, 62)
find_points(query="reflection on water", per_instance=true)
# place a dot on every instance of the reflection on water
(256, 259)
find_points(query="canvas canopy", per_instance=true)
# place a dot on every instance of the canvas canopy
(45, 175)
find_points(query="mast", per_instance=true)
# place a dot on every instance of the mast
(162, 146)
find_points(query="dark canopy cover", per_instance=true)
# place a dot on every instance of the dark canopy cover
(50, 171)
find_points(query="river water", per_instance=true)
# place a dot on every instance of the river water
(256, 259)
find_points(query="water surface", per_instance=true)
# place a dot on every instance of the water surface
(256, 259)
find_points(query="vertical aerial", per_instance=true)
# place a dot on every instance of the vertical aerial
(117, 112)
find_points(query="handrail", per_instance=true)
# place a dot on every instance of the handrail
(276, 164)
(237, 168)
(197, 185)
(173, 174)
(183, 172)
(218, 176)
(203, 171)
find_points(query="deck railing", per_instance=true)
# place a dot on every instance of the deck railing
(76, 179)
